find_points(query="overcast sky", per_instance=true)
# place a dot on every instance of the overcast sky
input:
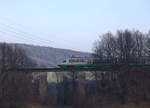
(70, 24)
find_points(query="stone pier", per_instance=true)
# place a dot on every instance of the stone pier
(43, 86)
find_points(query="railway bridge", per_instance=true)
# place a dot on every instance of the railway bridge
(107, 68)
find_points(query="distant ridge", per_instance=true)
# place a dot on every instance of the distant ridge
(49, 56)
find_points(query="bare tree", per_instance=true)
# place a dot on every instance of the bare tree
(16, 87)
(124, 48)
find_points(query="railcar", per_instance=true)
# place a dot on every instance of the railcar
(76, 62)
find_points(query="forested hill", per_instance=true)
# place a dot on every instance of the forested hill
(49, 56)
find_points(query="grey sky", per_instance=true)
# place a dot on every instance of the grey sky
(70, 24)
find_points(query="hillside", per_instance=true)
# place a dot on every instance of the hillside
(49, 56)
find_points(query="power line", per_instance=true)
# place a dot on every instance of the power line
(20, 25)
(11, 26)
(5, 19)
(10, 33)
(20, 33)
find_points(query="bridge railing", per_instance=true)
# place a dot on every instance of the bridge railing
(131, 60)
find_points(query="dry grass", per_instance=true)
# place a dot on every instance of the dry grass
(41, 106)
(129, 105)
(36, 106)
(106, 105)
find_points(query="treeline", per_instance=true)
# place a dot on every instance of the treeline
(125, 46)
(131, 84)
(16, 88)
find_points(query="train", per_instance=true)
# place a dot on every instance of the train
(76, 62)
(94, 62)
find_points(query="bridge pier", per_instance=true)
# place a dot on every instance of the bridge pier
(80, 91)
(81, 82)
(43, 87)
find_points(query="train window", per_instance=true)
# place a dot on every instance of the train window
(70, 61)
(64, 61)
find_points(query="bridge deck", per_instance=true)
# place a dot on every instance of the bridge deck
(106, 67)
